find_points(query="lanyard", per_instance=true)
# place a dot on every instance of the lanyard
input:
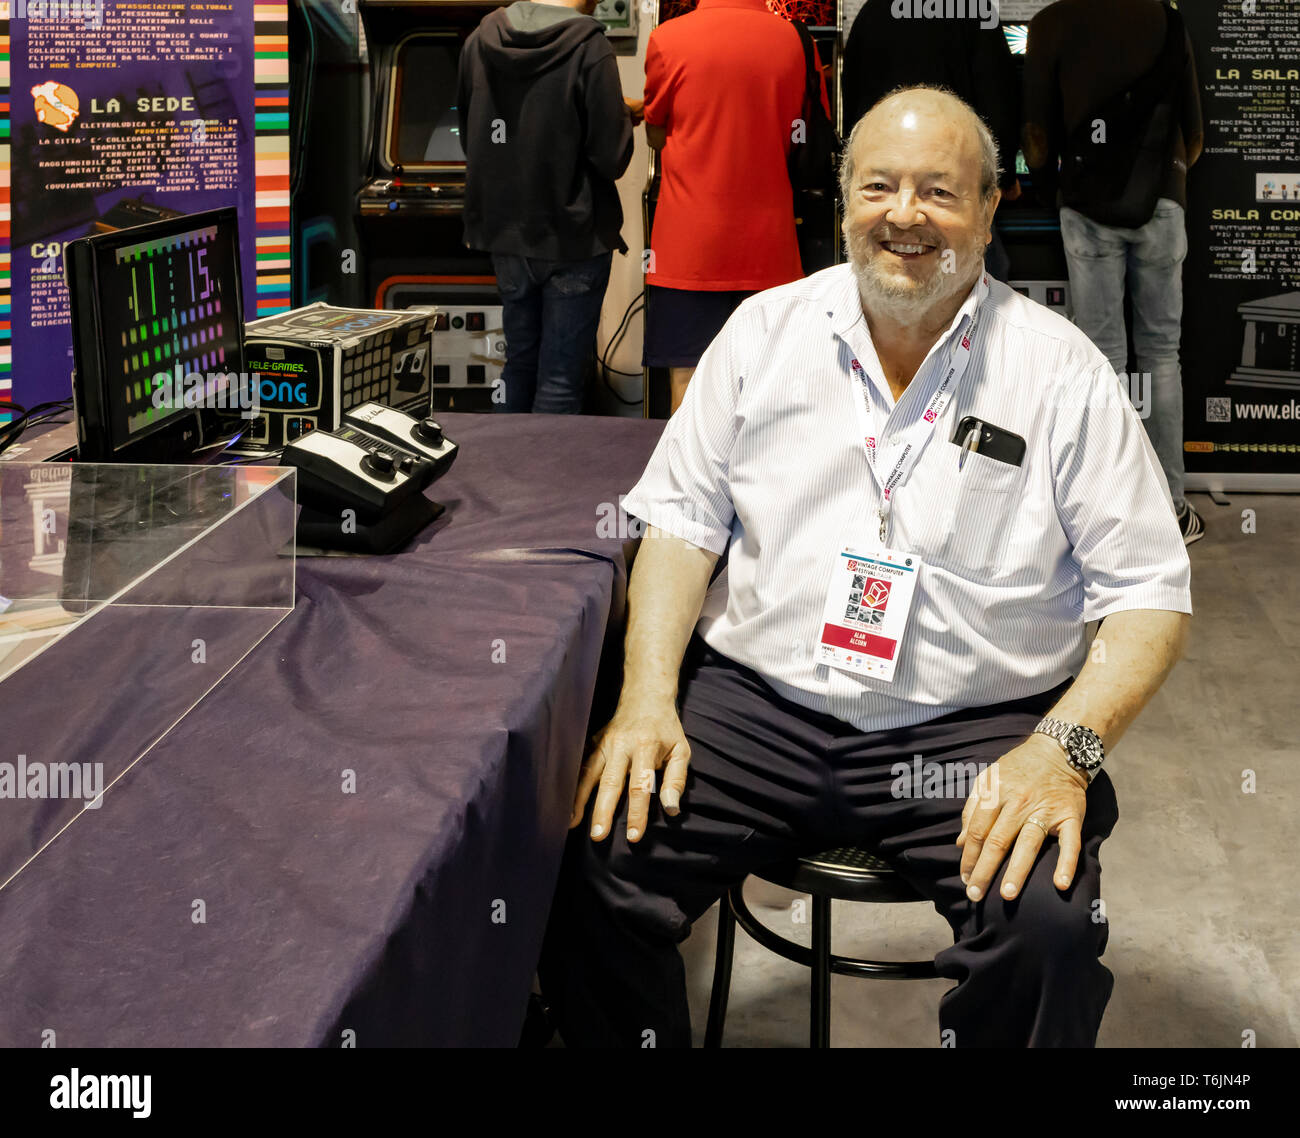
(959, 360)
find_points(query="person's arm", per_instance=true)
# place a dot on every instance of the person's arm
(1133, 653)
(669, 580)
(855, 70)
(1140, 648)
(1035, 145)
(821, 82)
(463, 95)
(997, 88)
(660, 83)
(1042, 95)
(1193, 127)
(666, 591)
(684, 497)
(1114, 507)
(609, 140)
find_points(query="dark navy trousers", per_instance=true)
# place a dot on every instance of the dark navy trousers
(770, 780)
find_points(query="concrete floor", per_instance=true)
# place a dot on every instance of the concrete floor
(1200, 878)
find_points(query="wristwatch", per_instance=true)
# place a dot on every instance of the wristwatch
(1083, 746)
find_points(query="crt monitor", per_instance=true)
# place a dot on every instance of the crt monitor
(422, 131)
(158, 337)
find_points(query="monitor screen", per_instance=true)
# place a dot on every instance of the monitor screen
(423, 129)
(167, 313)
(157, 319)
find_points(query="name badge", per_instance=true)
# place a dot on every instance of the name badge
(865, 620)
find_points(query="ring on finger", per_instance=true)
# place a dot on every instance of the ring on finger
(1036, 822)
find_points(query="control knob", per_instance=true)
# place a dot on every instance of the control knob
(429, 431)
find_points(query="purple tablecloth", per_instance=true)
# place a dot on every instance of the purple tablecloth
(454, 681)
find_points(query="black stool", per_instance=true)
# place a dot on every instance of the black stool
(836, 875)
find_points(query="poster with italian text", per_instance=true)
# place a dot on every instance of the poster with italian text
(118, 113)
(1241, 300)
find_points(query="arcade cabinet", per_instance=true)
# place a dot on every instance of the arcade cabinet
(327, 102)
(409, 208)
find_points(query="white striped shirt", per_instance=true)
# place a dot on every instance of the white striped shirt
(765, 457)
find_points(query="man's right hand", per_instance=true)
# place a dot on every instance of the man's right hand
(639, 740)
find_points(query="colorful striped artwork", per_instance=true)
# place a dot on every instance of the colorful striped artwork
(271, 71)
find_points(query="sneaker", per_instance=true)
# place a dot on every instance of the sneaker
(1189, 521)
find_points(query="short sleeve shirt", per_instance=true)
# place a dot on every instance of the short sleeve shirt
(765, 459)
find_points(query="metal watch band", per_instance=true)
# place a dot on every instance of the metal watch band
(1060, 730)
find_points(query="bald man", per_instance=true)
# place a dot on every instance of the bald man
(926, 486)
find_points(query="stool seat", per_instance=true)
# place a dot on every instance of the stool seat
(845, 873)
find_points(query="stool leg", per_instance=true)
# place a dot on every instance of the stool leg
(820, 1013)
(721, 973)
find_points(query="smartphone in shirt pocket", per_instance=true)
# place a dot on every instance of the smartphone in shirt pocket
(991, 441)
(987, 480)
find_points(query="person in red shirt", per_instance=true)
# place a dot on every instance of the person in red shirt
(724, 86)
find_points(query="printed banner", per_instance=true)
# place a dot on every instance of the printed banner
(1241, 316)
(120, 111)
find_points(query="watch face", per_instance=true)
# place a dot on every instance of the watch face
(1085, 748)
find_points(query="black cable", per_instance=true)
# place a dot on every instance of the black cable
(627, 315)
(12, 431)
(605, 375)
(296, 167)
(614, 343)
(619, 333)
(269, 459)
(51, 405)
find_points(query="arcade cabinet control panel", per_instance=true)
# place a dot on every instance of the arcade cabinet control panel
(469, 356)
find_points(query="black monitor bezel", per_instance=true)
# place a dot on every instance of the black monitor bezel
(178, 437)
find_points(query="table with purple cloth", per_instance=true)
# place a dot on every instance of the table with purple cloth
(455, 680)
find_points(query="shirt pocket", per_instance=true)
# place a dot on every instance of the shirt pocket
(981, 516)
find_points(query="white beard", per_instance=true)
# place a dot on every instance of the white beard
(901, 301)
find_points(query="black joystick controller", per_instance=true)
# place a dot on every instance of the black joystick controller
(429, 431)
(379, 463)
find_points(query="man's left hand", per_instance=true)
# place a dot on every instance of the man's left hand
(1032, 781)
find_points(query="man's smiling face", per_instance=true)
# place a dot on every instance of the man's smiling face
(916, 224)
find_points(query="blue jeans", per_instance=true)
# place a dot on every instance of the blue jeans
(1102, 259)
(551, 310)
